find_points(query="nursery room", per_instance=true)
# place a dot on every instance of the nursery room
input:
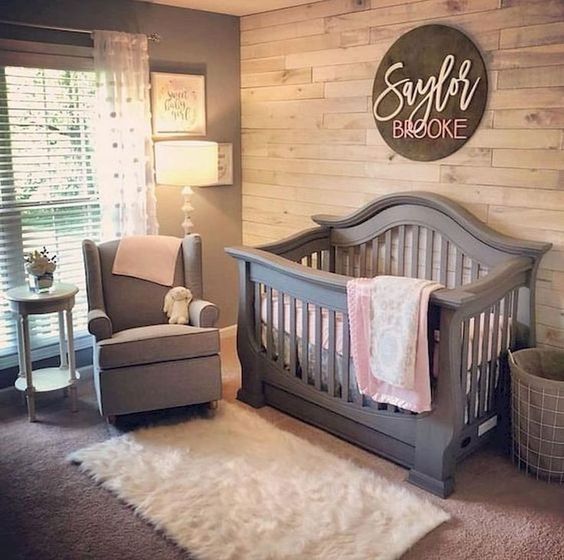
(281, 279)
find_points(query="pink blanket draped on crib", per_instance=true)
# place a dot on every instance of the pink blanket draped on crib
(410, 390)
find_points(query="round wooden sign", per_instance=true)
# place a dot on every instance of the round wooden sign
(429, 92)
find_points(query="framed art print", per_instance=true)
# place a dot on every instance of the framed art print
(178, 104)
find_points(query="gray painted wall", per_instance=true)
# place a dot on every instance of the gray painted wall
(192, 42)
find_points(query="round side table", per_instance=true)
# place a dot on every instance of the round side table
(23, 302)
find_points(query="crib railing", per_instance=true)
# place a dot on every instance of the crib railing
(485, 353)
(310, 248)
(296, 320)
(408, 250)
(311, 342)
(404, 250)
(311, 355)
(307, 340)
(485, 338)
(483, 319)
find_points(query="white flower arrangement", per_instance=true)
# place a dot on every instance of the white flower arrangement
(40, 263)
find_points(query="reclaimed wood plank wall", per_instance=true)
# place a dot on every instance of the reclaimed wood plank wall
(310, 144)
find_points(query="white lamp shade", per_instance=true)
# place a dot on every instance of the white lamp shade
(186, 162)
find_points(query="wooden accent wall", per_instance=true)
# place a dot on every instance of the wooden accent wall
(310, 143)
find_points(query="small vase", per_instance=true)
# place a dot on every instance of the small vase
(40, 284)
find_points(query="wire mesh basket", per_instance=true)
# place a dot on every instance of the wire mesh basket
(537, 389)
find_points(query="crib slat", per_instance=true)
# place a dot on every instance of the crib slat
(484, 373)
(308, 261)
(304, 362)
(355, 264)
(401, 250)
(443, 263)
(346, 357)
(464, 361)
(474, 368)
(458, 268)
(495, 357)
(258, 317)
(473, 271)
(513, 330)
(505, 327)
(346, 261)
(332, 259)
(337, 259)
(281, 329)
(374, 270)
(388, 252)
(415, 253)
(369, 267)
(269, 338)
(362, 261)
(429, 234)
(318, 346)
(293, 338)
(331, 352)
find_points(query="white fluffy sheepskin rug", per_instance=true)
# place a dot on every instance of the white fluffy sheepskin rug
(237, 487)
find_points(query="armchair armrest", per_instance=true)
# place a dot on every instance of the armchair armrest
(99, 324)
(203, 313)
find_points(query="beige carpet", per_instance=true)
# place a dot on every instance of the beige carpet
(236, 487)
(49, 510)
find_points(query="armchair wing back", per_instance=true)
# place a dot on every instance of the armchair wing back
(132, 302)
(140, 361)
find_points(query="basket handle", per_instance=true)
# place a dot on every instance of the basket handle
(511, 358)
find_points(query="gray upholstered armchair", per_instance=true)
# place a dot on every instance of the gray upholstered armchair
(140, 361)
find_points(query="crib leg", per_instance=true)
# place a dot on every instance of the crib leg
(252, 399)
(435, 459)
(438, 434)
(440, 487)
(252, 386)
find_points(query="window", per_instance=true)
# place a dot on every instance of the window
(48, 194)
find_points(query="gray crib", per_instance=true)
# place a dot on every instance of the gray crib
(293, 338)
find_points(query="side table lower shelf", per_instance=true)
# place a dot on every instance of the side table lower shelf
(48, 379)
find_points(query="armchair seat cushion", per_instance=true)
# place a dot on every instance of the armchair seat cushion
(156, 343)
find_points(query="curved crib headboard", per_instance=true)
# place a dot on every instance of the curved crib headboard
(421, 235)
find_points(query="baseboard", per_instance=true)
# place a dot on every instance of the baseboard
(228, 332)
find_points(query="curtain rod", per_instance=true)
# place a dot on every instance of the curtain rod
(153, 37)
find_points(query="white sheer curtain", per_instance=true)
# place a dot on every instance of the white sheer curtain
(123, 146)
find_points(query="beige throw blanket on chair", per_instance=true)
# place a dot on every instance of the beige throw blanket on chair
(148, 257)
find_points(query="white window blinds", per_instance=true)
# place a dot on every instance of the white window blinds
(48, 195)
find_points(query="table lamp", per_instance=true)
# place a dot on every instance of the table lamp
(186, 163)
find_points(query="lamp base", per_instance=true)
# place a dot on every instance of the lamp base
(187, 208)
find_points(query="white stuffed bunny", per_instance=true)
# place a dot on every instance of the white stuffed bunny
(176, 304)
